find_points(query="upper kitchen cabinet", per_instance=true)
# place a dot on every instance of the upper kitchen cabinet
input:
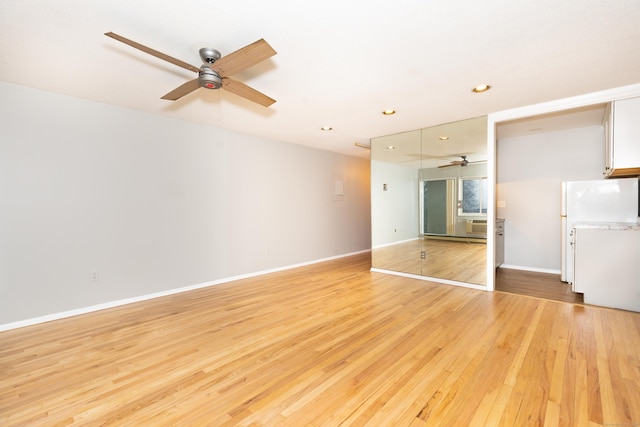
(622, 138)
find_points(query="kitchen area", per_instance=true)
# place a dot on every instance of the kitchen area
(601, 241)
(537, 231)
(584, 164)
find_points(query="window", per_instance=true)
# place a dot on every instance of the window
(473, 196)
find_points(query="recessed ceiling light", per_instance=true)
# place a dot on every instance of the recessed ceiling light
(391, 147)
(481, 88)
(326, 128)
(443, 138)
(389, 112)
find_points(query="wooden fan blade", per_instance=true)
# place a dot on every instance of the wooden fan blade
(243, 58)
(246, 92)
(182, 90)
(153, 52)
(456, 163)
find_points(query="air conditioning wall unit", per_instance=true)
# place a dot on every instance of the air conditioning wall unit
(476, 226)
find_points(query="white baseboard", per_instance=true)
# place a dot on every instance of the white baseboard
(396, 243)
(112, 304)
(533, 269)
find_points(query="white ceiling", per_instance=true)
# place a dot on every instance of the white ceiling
(591, 115)
(339, 63)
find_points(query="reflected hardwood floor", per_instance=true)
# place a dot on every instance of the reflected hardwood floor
(460, 261)
(330, 344)
(541, 285)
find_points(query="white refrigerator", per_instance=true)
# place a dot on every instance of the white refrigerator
(594, 202)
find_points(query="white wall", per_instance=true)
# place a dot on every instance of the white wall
(395, 217)
(530, 170)
(153, 204)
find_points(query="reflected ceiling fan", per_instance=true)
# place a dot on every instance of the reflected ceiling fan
(463, 162)
(215, 71)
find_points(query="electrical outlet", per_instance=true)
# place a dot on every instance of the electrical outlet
(93, 276)
(423, 255)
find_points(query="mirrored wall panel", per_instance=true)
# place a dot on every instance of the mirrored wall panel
(429, 201)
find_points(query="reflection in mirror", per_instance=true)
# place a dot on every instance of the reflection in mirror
(429, 202)
(438, 198)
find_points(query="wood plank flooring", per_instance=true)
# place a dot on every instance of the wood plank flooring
(541, 285)
(331, 344)
(462, 261)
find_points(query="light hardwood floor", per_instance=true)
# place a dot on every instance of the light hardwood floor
(462, 261)
(331, 344)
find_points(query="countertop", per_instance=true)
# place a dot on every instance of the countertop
(625, 226)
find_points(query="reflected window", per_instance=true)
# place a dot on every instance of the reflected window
(473, 196)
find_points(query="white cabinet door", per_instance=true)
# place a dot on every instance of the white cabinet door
(622, 133)
(499, 259)
(607, 267)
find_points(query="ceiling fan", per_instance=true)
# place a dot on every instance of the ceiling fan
(463, 162)
(215, 71)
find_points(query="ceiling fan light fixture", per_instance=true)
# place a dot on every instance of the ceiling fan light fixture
(481, 88)
(209, 79)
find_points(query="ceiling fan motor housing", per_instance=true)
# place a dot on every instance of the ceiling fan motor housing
(209, 79)
(209, 55)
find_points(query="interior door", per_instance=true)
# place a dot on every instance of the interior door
(435, 207)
